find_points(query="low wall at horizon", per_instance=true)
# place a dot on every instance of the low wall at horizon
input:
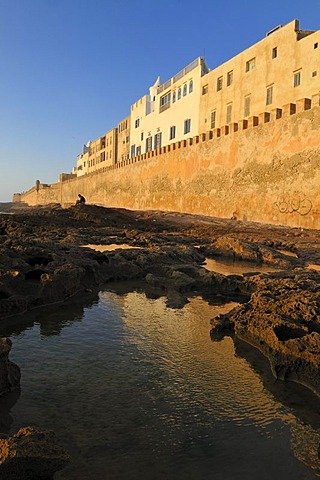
(264, 169)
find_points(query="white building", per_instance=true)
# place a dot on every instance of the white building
(170, 112)
(83, 160)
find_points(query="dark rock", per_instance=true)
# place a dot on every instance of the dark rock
(31, 454)
(42, 262)
(9, 371)
(282, 319)
(221, 326)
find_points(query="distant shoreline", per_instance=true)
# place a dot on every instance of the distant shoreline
(12, 207)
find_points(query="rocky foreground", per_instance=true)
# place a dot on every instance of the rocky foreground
(43, 261)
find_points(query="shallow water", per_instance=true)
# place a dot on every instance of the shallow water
(111, 247)
(288, 253)
(232, 267)
(225, 266)
(135, 390)
(314, 266)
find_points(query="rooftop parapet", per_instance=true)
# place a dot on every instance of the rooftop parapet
(198, 61)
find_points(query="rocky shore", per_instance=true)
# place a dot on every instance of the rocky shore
(43, 260)
(31, 454)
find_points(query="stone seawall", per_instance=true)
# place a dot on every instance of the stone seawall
(264, 169)
(42, 194)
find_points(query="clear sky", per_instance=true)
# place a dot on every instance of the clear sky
(70, 69)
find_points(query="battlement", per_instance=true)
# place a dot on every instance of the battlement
(234, 128)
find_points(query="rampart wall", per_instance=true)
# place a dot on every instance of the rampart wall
(265, 169)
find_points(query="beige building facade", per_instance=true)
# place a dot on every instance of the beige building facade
(100, 153)
(123, 140)
(278, 70)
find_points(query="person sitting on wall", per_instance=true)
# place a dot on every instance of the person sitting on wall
(81, 200)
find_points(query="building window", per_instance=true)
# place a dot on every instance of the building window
(219, 83)
(229, 78)
(173, 96)
(133, 150)
(269, 98)
(187, 126)
(315, 45)
(297, 78)
(179, 93)
(191, 86)
(157, 140)
(213, 119)
(229, 113)
(314, 74)
(141, 136)
(274, 52)
(172, 133)
(204, 89)
(138, 152)
(148, 144)
(185, 88)
(247, 102)
(137, 123)
(250, 64)
(165, 102)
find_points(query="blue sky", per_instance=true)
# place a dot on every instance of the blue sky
(70, 69)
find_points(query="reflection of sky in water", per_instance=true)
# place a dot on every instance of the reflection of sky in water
(230, 267)
(109, 248)
(314, 266)
(135, 390)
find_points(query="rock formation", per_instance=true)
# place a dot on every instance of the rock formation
(9, 371)
(282, 320)
(42, 261)
(31, 454)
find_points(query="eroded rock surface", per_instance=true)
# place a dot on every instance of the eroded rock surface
(31, 454)
(281, 319)
(9, 371)
(42, 261)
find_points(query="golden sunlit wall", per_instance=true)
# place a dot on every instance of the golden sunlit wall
(281, 68)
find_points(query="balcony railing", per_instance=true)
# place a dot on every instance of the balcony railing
(179, 75)
(164, 107)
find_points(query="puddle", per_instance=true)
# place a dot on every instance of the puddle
(134, 390)
(313, 266)
(109, 248)
(230, 267)
(288, 253)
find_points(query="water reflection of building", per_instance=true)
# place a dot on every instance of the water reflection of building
(179, 341)
(194, 368)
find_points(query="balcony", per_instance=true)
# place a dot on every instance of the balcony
(164, 107)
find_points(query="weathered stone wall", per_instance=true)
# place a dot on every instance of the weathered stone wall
(41, 194)
(266, 169)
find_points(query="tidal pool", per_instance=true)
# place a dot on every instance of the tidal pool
(111, 247)
(135, 390)
(231, 267)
